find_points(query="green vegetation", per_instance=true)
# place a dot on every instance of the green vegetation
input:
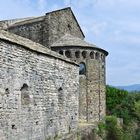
(114, 98)
(111, 130)
(121, 104)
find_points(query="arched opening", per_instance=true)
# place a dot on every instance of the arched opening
(77, 54)
(25, 97)
(82, 69)
(92, 55)
(84, 54)
(61, 52)
(68, 54)
(97, 56)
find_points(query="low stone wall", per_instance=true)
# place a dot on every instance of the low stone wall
(38, 93)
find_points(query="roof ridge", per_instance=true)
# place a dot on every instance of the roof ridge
(58, 10)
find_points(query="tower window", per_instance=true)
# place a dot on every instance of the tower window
(97, 55)
(92, 55)
(84, 54)
(77, 54)
(68, 54)
(82, 69)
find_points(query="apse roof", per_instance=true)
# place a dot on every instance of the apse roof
(72, 41)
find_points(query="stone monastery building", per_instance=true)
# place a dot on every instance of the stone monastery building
(50, 77)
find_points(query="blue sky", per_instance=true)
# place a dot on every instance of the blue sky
(113, 25)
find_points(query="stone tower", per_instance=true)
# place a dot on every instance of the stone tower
(60, 31)
(91, 60)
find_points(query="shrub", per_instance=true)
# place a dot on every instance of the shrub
(114, 132)
(110, 130)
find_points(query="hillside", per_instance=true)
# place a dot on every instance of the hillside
(135, 87)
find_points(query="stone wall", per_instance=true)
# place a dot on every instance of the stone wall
(92, 98)
(32, 31)
(50, 28)
(38, 92)
(60, 23)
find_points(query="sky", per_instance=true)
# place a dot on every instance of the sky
(113, 25)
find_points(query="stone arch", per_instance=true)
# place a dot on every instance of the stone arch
(82, 69)
(97, 55)
(25, 97)
(77, 54)
(61, 52)
(92, 55)
(84, 54)
(68, 54)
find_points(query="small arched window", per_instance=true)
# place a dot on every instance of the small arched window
(92, 55)
(84, 54)
(97, 55)
(82, 69)
(77, 54)
(68, 54)
(61, 52)
(25, 97)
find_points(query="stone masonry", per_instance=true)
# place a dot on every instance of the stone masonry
(38, 91)
(50, 77)
(49, 28)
